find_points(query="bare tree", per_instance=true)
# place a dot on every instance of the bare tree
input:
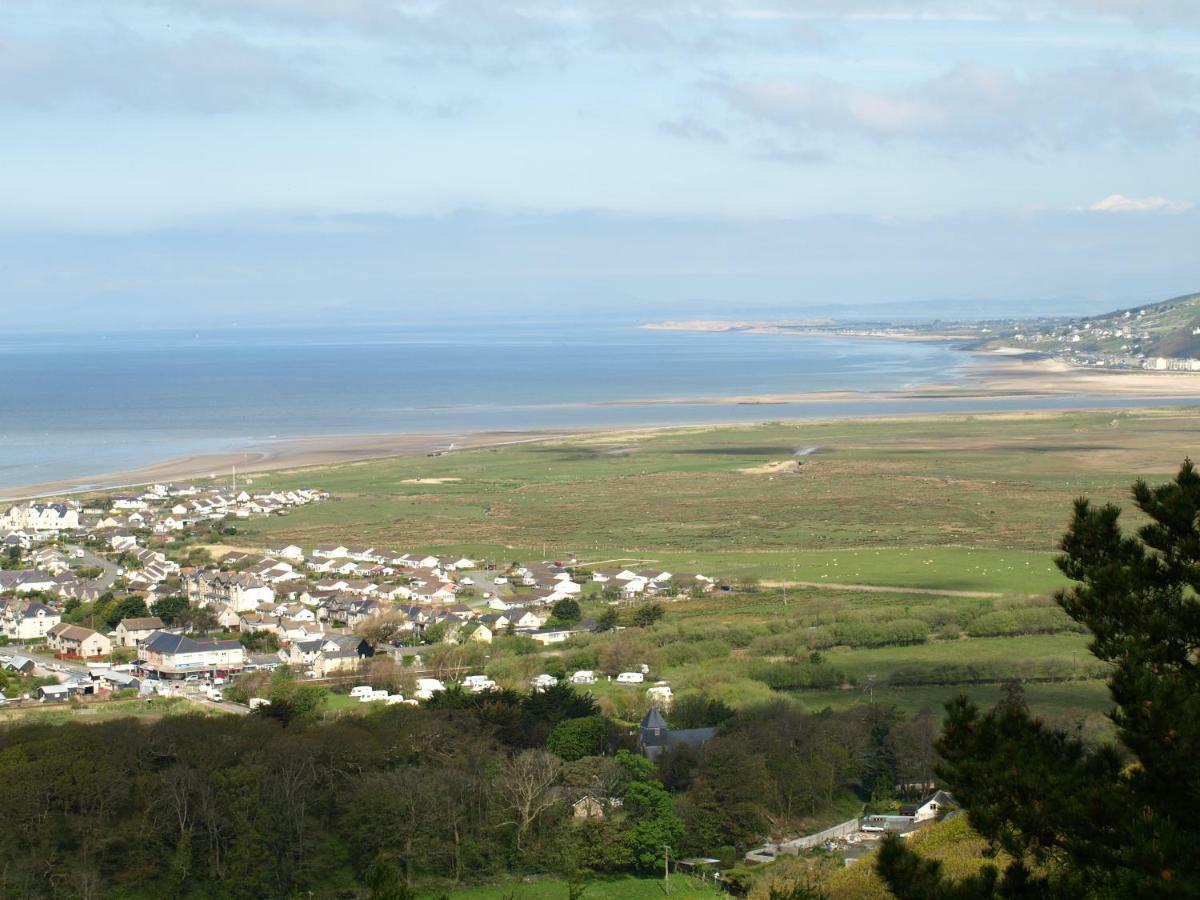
(530, 787)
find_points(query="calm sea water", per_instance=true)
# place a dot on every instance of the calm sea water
(79, 405)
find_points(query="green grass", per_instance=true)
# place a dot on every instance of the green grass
(936, 503)
(881, 661)
(95, 711)
(621, 888)
(960, 503)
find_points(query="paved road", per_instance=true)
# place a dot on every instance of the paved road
(44, 660)
(108, 569)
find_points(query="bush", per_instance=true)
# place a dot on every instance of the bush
(1023, 620)
(792, 676)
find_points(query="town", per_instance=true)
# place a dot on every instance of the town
(115, 594)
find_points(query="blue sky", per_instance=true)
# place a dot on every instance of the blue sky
(174, 162)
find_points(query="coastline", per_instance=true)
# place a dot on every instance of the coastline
(995, 374)
(276, 456)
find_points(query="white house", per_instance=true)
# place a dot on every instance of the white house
(25, 621)
(41, 517)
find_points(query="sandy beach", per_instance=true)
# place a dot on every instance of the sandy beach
(994, 374)
(296, 453)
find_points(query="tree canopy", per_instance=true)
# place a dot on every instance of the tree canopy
(1117, 820)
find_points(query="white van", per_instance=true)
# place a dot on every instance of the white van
(630, 678)
(214, 694)
(360, 690)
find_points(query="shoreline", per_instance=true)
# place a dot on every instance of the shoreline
(1002, 374)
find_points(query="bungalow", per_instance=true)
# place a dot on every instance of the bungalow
(480, 634)
(522, 619)
(130, 631)
(290, 552)
(330, 552)
(550, 635)
(77, 642)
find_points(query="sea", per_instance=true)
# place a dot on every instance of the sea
(77, 405)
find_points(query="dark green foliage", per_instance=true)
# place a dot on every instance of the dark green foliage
(574, 739)
(608, 619)
(128, 608)
(1083, 822)
(698, 711)
(646, 615)
(566, 611)
(171, 609)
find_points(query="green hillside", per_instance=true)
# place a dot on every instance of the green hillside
(1124, 338)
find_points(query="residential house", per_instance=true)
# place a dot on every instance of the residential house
(130, 631)
(77, 642)
(41, 517)
(23, 620)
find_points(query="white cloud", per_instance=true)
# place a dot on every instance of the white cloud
(976, 106)
(1120, 203)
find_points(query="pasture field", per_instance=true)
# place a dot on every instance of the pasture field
(1001, 482)
(950, 520)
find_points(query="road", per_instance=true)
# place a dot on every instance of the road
(108, 569)
(45, 660)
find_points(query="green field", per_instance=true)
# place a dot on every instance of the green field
(691, 498)
(953, 516)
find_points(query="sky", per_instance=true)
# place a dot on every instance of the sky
(173, 163)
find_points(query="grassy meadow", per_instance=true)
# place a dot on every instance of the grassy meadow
(946, 524)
